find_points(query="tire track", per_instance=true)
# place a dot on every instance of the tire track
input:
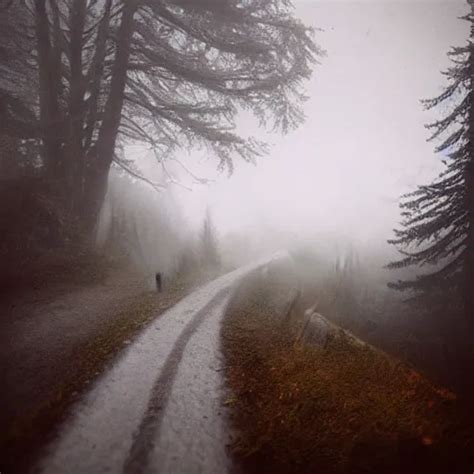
(148, 431)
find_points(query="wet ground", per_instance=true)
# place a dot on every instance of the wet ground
(54, 344)
(161, 406)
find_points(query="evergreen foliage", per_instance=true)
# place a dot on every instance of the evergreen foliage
(438, 224)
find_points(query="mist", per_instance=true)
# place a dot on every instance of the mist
(237, 236)
(363, 145)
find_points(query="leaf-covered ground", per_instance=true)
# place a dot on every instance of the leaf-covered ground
(347, 408)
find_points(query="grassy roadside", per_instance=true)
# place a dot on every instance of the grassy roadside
(21, 441)
(343, 409)
(56, 272)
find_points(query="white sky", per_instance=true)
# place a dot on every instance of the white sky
(364, 142)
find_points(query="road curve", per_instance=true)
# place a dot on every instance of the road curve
(159, 408)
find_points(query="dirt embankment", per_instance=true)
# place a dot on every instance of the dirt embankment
(54, 341)
(338, 409)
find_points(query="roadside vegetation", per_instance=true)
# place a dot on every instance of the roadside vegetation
(343, 408)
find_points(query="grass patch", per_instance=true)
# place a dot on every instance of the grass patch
(347, 408)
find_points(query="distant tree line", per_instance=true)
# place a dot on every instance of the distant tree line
(209, 247)
(79, 78)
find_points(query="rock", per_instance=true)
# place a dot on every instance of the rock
(290, 310)
(316, 330)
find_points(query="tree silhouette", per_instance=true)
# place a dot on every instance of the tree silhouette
(209, 246)
(164, 73)
(438, 225)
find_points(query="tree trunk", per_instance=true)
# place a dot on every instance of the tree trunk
(95, 74)
(49, 104)
(75, 151)
(105, 148)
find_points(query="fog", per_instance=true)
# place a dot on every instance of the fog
(184, 288)
(363, 143)
(332, 186)
(148, 224)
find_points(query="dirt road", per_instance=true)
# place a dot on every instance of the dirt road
(52, 346)
(160, 407)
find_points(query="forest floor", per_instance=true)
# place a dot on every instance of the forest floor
(56, 338)
(339, 409)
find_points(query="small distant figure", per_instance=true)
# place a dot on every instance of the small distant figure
(158, 282)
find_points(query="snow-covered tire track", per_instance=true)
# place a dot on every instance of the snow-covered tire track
(149, 430)
(118, 426)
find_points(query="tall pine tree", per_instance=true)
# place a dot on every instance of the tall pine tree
(438, 218)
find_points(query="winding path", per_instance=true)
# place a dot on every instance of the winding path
(159, 408)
